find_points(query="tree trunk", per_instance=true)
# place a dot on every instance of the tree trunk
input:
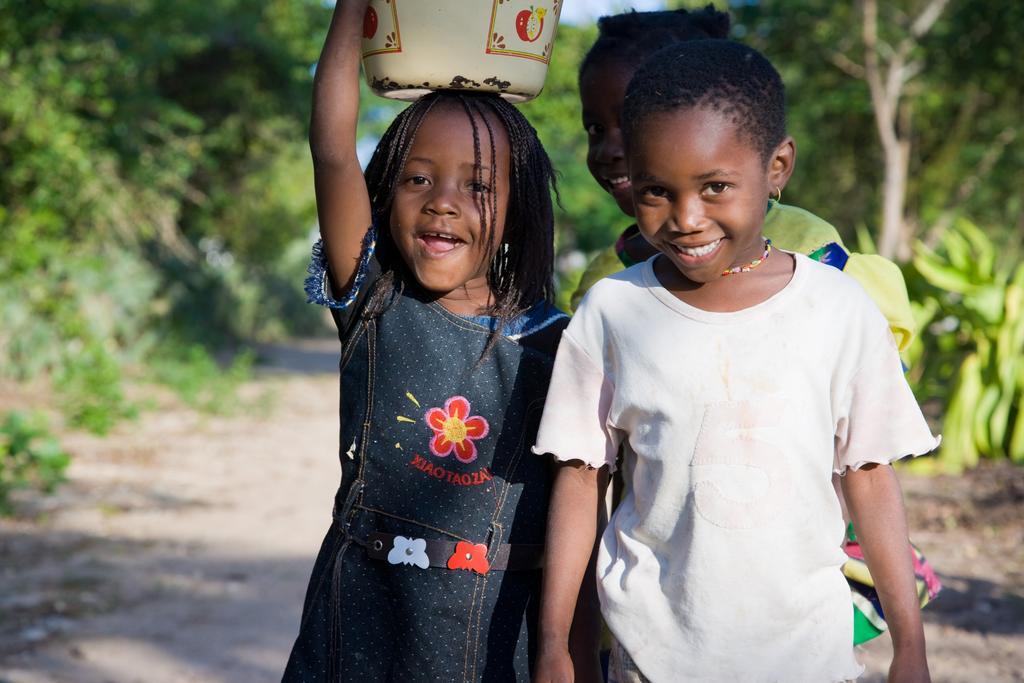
(894, 191)
(898, 228)
(887, 71)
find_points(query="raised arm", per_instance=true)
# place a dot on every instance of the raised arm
(876, 507)
(342, 201)
(572, 527)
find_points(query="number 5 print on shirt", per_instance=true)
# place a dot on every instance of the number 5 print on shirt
(729, 456)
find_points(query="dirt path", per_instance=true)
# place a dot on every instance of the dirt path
(971, 528)
(180, 549)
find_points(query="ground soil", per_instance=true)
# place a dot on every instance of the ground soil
(180, 547)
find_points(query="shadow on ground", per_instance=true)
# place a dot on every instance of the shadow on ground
(80, 602)
(977, 605)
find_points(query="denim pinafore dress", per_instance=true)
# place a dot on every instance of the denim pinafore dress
(430, 570)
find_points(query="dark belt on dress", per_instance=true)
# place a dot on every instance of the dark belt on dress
(425, 553)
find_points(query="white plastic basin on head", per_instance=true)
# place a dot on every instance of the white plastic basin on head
(411, 47)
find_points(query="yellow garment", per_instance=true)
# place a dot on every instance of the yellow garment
(794, 229)
(883, 281)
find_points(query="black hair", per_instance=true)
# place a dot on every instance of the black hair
(631, 37)
(522, 271)
(733, 79)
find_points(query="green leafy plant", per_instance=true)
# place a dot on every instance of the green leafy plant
(139, 206)
(975, 308)
(29, 457)
(200, 381)
(91, 391)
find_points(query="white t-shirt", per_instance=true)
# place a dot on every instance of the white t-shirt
(722, 562)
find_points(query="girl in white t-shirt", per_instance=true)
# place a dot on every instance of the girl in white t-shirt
(725, 368)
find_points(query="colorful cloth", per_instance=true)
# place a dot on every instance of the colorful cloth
(868, 619)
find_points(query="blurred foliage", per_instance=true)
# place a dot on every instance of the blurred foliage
(200, 381)
(91, 391)
(971, 355)
(90, 297)
(156, 185)
(152, 126)
(29, 457)
(963, 109)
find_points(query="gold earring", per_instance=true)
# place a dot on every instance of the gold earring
(778, 194)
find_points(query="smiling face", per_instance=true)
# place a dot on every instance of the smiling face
(435, 213)
(701, 190)
(602, 90)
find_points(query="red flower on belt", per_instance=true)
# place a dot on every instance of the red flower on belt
(470, 556)
(455, 430)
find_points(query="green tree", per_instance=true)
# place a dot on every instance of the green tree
(156, 179)
(956, 114)
(170, 130)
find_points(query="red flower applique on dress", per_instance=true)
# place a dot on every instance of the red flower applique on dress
(455, 430)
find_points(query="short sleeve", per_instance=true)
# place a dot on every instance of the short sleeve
(575, 421)
(879, 420)
(318, 287)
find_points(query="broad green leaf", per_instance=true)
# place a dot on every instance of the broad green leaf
(982, 416)
(939, 273)
(1016, 448)
(984, 251)
(958, 252)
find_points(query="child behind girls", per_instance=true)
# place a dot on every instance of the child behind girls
(737, 378)
(437, 266)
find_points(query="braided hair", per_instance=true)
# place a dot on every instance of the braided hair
(522, 269)
(631, 37)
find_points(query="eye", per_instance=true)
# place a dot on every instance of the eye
(593, 129)
(653, 191)
(715, 189)
(417, 180)
(479, 188)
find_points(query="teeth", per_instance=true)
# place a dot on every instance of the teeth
(699, 251)
(621, 180)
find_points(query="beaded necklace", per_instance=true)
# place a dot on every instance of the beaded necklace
(753, 264)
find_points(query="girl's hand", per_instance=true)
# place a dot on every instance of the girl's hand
(553, 666)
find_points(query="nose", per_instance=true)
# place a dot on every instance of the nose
(442, 201)
(689, 213)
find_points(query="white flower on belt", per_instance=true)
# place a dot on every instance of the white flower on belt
(409, 551)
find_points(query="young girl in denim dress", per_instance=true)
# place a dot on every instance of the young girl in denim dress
(437, 266)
